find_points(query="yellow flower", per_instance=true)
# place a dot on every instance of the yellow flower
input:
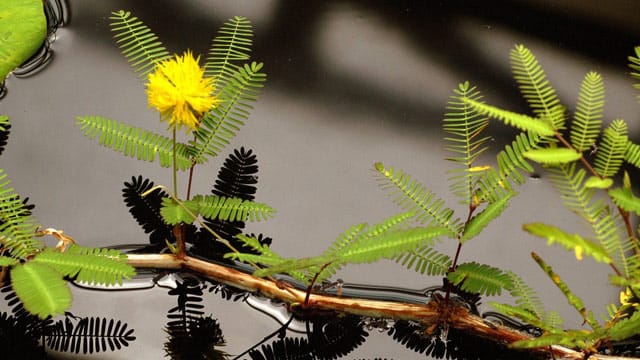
(179, 90)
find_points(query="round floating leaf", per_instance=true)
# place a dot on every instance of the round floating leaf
(23, 28)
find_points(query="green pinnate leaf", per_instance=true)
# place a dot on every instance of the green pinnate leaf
(625, 199)
(596, 182)
(480, 278)
(42, 290)
(588, 116)
(552, 156)
(612, 149)
(174, 212)
(488, 214)
(571, 242)
(519, 121)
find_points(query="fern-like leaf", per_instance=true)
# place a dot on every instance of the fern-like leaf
(533, 83)
(552, 156)
(480, 221)
(137, 42)
(625, 199)
(219, 126)
(426, 261)
(634, 64)
(88, 265)
(571, 338)
(88, 335)
(572, 298)
(465, 126)
(284, 349)
(480, 278)
(232, 45)
(625, 328)
(571, 242)
(632, 154)
(41, 289)
(519, 121)
(134, 142)
(587, 120)
(412, 196)
(511, 160)
(17, 228)
(231, 209)
(611, 149)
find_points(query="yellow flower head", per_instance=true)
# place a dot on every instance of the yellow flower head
(180, 92)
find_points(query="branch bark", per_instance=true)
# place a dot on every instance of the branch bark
(429, 314)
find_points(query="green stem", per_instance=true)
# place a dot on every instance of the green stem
(175, 165)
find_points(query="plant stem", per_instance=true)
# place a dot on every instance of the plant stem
(426, 314)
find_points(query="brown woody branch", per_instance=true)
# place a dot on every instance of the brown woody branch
(430, 314)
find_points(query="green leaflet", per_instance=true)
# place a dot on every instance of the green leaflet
(230, 48)
(625, 199)
(519, 121)
(595, 182)
(229, 209)
(571, 338)
(480, 278)
(612, 149)
(552, 156)
(464, 126)
(634, 64)
(220, 125)
(426, 261)
(137, 42)
(23, 29)
(587, 119)
(8, 261)
(134, 142)
(91, 266)
(523, 314)
(480, 221)
(625, 328)
(41, 289)
(174, 212)
(533, 84)
(412, 196)
(573, 299)
(571, 242)
(17, 227)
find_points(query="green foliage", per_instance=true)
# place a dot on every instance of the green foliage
(465, 127)
(219, 126)
(426, 260)
(17, 228)
(519, 121)
(480, 278)
(134, 142)
(41, 289)
(571, 338)
(533, 83)
(611, 149)
(572, 242)
(213, 207)
(625, 328)
(359, 244)
(88, 265)
(625, 199)
(552, 156)
(137, 42)
(412, 196)
(511, 159)
(477, 223)
(634, 64)
(231, 46)
(23, 29)
(587, 119)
